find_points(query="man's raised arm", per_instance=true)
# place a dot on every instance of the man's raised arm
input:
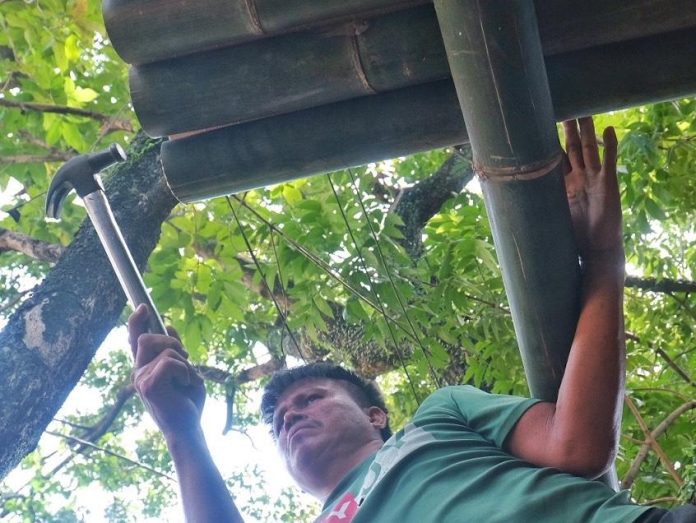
(579, 432)
(173, 394)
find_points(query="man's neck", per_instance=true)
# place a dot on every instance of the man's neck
(338, 468)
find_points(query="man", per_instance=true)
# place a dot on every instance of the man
(466, 455)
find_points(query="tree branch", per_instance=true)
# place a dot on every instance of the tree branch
(96, 431)
(676, 367)
(651, 441)
(86, 443)
(673, 364)
(37, 249)
(660, 284)
(417, 204)
(247, 375)
(64, 109)
(36, 158)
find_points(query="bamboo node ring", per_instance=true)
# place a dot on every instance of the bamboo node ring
(530, 171)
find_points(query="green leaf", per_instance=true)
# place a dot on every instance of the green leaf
(323, 306)
(72, 51)
(654, 210)
(72, 135)
(291, 195)
(84, 94)
(354, 311)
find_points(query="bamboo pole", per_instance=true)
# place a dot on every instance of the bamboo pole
(301, 70)
(498, 69)
(377, 127)
(322, 139)
(497, 65)
(144, 31)
(289, 73)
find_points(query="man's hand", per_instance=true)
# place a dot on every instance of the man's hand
(593, 192)
(171, 389)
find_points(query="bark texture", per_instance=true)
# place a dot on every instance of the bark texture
(49, 341)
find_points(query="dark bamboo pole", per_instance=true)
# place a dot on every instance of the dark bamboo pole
(288, 73)
(144, 31)
(381, 126)
(322, 139)
(497, 65)
(301, 70)
(498, 70)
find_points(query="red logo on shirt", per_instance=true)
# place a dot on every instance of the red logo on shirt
(342, 512)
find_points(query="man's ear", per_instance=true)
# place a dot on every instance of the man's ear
(378, 417)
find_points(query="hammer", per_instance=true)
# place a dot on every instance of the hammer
(82, 174)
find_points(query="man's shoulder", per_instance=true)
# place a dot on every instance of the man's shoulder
(451, 395)
(467, 398)
(459, 390)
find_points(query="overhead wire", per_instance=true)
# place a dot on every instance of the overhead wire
(383, 261)
(283, 316)
(321, 264)
(374, 290)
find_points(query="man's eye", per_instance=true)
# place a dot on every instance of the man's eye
(313, 397)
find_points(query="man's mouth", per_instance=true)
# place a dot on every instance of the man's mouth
(298, 428)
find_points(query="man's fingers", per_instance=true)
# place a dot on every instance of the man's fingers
(137, 325)
(161, 374)
(610, 150)
(149, 346)
(590, 151)
(573, 145)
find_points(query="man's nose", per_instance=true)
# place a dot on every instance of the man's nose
(291, 417)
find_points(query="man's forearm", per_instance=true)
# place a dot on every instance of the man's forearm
(203, 491)
(590, 398)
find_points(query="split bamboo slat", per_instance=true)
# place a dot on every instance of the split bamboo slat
(301, 70)
(413, 119)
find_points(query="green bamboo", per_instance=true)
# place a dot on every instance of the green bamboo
(288, 73)
(321, 139)
(498, 68)
(499, 74)
(373, 128)
(573, 24)
(296, 71)
(144, 31)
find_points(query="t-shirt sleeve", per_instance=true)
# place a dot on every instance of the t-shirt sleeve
(493, 416)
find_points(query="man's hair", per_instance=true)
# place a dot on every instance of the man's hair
(365, 393)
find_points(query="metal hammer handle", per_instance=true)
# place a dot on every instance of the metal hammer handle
(120, 257)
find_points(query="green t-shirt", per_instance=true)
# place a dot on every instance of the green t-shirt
(448, 466)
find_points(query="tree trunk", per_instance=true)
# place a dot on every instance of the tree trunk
(49, 341)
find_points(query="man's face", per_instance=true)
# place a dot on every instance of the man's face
(316, 420)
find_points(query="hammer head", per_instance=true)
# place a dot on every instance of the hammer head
(80, 173)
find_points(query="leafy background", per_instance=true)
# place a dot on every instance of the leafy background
(338, 266)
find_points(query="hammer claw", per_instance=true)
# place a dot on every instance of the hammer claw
(82, 174)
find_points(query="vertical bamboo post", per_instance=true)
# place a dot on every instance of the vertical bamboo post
(495, 56)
